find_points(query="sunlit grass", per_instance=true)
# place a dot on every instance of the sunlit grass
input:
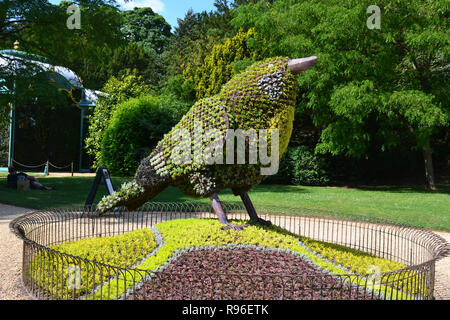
(413, 205)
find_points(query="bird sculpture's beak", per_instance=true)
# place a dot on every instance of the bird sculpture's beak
(298, 66)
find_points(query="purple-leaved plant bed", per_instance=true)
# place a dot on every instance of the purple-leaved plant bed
(245, 274)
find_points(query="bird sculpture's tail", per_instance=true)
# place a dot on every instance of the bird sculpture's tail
(131, 195)
(147, 185)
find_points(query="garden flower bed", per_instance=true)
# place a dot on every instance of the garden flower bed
(135, 250)
(121, 251)
(180, 252)
(220, 275)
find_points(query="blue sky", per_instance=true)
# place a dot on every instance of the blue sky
(169, 9)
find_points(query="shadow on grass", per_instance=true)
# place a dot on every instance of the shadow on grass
(441, 189)
(172, 194)
(70, 192)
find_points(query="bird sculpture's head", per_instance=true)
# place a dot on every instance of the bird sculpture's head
(267, 85)
(264, 96)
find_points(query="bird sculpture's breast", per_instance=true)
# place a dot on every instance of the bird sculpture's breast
(283, 121)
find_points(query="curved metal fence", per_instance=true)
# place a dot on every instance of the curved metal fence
(47, 273)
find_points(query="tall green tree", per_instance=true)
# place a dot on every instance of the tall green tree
(146, 28)
(133, 57)
(217, 67)
(19, 15)
(196, 35)
(41, 28)
(387, 86)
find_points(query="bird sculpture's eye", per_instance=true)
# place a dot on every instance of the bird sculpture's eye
(271, 84)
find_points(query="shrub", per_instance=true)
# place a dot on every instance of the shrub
(217, 68)
(181, 88)
(174, 106)
(116, 91)
(134, 130)
(300, 166)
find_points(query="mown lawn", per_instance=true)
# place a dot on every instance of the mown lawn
(411, 205)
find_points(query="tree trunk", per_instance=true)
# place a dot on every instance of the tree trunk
(429, 171)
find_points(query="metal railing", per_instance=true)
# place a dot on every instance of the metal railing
(46, 165)
(45, 271)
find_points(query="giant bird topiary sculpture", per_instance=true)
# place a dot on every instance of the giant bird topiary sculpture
(261, 97)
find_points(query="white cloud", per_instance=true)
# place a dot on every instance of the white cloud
(156, 5)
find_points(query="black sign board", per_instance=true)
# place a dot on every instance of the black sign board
(101, 173)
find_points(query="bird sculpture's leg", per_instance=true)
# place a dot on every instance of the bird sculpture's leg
(252, 212)
(217, 206)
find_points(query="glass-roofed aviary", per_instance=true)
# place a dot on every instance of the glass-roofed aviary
(37, 94)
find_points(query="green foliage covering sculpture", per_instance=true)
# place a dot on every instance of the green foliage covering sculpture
(260, 98)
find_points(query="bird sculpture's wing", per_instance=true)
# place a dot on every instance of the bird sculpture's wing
(178, 159)
(180, 153)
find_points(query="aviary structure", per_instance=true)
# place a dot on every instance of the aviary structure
(261, 97)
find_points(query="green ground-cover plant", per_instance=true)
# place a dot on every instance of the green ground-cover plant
(363, 263)
(179, 235)
(197, 233)
(357, 261)
(110, 254)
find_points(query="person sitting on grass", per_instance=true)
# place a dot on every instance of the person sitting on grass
(13, 177)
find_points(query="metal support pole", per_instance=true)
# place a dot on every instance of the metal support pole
(81, 140)
(12, 115)
(11, 136)
(249, 206)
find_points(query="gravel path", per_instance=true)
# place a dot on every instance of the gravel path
(11, 287)
(442, 285)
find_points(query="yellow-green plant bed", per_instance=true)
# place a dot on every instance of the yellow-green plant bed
(87, 263)
(136, 252)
